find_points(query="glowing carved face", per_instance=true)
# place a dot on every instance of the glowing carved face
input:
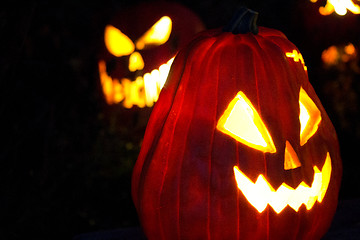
(144, 91)
(139, 45)
(242, 122)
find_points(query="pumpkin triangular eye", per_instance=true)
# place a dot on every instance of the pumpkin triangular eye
(157, 35)
(242, 122)
(310, 117)
(117, 43)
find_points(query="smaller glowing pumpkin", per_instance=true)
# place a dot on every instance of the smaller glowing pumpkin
(139, 46)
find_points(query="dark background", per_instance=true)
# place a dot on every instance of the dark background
(66, 156)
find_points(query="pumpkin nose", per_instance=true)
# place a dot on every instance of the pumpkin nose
(291, 160)
(136, 62)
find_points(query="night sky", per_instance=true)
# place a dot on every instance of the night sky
(66, 156)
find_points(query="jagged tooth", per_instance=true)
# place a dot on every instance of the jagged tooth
(263, 193)
(281, 197)
(256, 193)
(316, 184)
(326, 175)
(311, 202)
(300, 195)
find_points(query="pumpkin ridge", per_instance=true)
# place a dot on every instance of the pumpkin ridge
(210, 167)
(238, 211)
(211, 158)
(178, 101)
(181, 106)
(209, 195)
(212, 48)
(181, 168)
(154, 141)
(261, 52)
(272, 67)
(166, 86)
(270, 33)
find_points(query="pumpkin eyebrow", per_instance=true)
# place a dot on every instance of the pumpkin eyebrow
(158, 34)
(117, 42)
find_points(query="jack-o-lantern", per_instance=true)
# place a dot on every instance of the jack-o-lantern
(238, 145)
(139, 46)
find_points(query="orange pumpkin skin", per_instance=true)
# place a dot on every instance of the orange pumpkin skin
(183, 182)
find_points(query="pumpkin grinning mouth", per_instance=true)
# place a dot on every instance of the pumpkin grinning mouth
(144, 91)
(261, 193)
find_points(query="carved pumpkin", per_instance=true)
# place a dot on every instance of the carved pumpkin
(238, 145)
(139, 46)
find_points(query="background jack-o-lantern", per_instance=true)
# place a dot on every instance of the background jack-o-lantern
(238, 145)
(139, 45)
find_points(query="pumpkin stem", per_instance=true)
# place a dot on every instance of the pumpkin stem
(243, 21)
